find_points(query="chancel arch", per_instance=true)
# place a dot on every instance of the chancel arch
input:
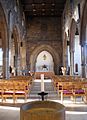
(55, 56)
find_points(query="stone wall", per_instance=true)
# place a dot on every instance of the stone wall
(44, 31)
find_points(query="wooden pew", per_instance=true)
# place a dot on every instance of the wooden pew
(15, 88)
(72, 86)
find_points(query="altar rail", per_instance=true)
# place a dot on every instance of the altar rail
(18, 87)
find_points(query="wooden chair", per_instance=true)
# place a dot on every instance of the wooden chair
(66, 90)
(78, 90)
(1, 91)
(8, 87)
(21, 90)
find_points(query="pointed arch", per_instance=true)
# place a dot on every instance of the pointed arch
(55, 55)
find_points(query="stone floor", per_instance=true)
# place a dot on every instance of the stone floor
(74, 111)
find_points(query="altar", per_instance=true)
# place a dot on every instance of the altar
(47, 75)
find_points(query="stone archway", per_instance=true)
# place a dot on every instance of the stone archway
(4, 42)
(39, 49)
(83, 40)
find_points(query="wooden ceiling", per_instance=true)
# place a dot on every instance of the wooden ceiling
(43, 7)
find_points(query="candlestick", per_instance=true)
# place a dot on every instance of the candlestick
(42, 82)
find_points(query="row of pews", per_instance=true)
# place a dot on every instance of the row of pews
(70, 86)
(16, 87)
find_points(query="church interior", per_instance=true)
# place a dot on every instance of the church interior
(43, 58)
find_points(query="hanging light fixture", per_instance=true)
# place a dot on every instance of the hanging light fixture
(44, 57)
(77, 32)
(21, 44)
(12, 36)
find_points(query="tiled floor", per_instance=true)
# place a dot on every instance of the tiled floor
(9, 113)
(74, 111)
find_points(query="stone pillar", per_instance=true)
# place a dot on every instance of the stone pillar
(15, 64)
(65, 51)
(27, 58)
(72, 63)
(84, 60)
(18, 60)
(18, 65)
(6, 62)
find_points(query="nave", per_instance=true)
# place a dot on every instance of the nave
(74, 111)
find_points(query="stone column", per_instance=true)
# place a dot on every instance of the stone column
(65, 51)
(18, 65)
(27, 57)
(72, 63)
(84, 60)
(18, 60)
(6, 62)
(27, 60)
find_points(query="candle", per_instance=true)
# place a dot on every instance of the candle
(42, 82)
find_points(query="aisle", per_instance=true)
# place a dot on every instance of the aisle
(48, 87)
